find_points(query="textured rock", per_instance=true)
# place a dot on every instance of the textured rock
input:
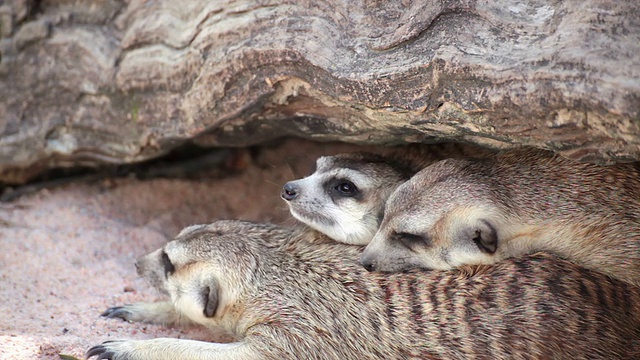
(92, 82)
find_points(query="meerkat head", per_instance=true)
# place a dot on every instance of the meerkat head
(344, 198)
(206, 269)
(439, 219)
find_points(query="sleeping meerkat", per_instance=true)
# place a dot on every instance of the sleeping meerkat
(306, 297)
(344, 198)
(470, 212)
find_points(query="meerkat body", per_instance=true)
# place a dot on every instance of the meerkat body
(469, 212)
(306, 297)
(344, 198)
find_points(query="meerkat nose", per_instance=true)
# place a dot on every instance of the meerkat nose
(368, 265)
(289, 191)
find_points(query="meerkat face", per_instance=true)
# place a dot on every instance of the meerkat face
(205, 270)
(344, 198)
(435, 221)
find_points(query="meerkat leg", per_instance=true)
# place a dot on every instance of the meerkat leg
(172, 349)
(163, 313)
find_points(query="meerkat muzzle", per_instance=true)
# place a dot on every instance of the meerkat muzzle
(290, 191)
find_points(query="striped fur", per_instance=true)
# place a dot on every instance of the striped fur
(303, 296)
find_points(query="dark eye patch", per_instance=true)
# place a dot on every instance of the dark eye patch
(346, 188)
(411, 241)
(168, 266)
(341, 188)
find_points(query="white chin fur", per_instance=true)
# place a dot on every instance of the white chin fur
(348, 237)
(190, 307)
(346, 228)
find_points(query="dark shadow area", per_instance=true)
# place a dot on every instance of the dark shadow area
(188, 161)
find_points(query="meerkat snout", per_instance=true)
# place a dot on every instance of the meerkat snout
(290, 191)
(156, 268)
(368, 264)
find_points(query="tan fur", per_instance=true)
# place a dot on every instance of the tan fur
(530, 200)
(303, 296)
(354, 218)
(471, 270)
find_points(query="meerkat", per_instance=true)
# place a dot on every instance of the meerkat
(344, 198)
(470, 212)
(296, 301)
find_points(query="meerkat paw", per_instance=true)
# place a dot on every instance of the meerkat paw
(111, 350)
(162, 313)
(169, 349)
(120, 312)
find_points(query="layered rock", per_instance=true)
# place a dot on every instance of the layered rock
(95, 82)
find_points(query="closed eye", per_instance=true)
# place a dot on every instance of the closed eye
(168, 266)
(411, 241)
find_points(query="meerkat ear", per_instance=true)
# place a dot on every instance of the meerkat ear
(484, 235)
(211, 299)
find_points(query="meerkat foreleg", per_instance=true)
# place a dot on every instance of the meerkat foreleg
(172, 349)
(163, 313)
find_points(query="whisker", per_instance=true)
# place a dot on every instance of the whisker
(272, 183)
(293, 176)
(291, 221)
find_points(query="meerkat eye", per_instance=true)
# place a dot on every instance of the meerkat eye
(168, 265)
(347, 188)
(411, 240)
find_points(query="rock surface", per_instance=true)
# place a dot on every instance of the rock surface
(89, 82)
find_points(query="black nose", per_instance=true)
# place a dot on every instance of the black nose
(368, 266)
(289, 191)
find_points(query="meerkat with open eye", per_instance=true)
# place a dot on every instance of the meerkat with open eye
(470, 212)
(285, 299)
(344, 198)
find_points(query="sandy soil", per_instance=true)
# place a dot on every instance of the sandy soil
(68, 253)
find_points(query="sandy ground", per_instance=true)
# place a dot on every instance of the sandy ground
(68, 253)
